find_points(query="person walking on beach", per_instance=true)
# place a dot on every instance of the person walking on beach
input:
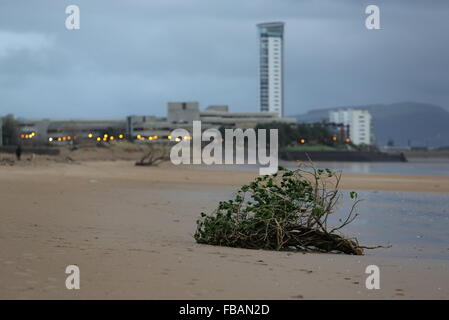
(18, 151)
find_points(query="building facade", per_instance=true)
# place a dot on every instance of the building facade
(182, 115)
(271, 68)
(183, 112)
(64, 131)
(358, 122)
(140, 128)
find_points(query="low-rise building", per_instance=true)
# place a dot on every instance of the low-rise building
(182, 115)
(39, 131)
(140, 127)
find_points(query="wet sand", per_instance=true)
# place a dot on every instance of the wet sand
(129, 229)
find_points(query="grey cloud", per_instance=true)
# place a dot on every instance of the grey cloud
(134, 56)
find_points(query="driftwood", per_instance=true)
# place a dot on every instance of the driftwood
(285, 211)
(156, 154)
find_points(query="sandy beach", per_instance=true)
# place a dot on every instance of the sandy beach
(129, 229)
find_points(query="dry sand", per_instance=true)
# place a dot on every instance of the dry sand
(129, 229)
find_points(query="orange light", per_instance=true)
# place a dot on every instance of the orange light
(348, 140)
(69, 138)
(334, 138)
(302, 141)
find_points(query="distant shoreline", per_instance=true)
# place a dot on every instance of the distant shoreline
(427, 154)
(353, 156)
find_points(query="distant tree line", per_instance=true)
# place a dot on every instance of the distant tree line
(292, 134)
(10, 130)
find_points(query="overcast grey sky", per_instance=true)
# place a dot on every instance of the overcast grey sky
(132, 57)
